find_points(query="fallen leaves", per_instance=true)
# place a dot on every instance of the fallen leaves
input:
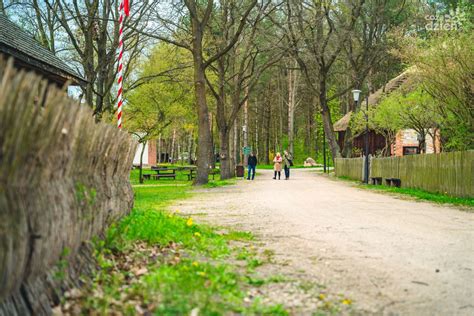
(139, 271)
(127, 267)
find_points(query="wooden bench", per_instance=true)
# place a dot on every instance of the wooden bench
(146, 176)
(393, 182)
(376, 180)
(213, 172)
(164, 175)
(192, 174)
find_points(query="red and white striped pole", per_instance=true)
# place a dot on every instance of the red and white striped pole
(123, 10)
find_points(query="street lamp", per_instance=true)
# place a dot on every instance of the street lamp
(356, 95)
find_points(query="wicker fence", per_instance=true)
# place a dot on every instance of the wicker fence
(63, 180)
(450, 173)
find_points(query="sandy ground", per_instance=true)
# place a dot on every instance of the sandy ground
(391, 256)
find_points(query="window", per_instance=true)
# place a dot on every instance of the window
(410, 150)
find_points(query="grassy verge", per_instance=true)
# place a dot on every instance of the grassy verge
(161, 262)
(417, 194)
(181, 179)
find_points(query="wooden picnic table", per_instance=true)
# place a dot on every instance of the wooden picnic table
(164, 172)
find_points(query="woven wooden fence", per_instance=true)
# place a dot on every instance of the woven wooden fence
(449, 173)
(63, 180)
(351, 168)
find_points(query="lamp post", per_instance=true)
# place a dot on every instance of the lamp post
(324, 150)
(356, 95)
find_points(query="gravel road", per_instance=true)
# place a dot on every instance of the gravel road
(391, 256)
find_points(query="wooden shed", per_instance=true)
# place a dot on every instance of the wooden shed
(376, 141)
(30, 55)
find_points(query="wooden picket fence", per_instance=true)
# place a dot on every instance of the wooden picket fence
(351, 168)
(449, 173)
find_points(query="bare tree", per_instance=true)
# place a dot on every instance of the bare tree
(92, 30)
(321, 33)
(239, 70)
(187, 29)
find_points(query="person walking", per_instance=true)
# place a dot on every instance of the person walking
(287, 162)
(277, 166)
(252, 165)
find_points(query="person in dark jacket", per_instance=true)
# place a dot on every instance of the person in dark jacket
(287, 163)
(252, 164)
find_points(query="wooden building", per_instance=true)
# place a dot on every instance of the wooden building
(376, 141)
(30, 55)
(406, 142)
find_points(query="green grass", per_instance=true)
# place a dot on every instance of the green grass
(220, 183)
(187, 264)
(181, 179)
(418, 194)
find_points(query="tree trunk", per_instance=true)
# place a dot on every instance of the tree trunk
(140, 176)
(246, 128)
(327, 121)
(190, 148)
(310, 148)
(232, 146)
(292, 84)
(348, 142)
(225, 170)
(236, 152)
(422, 141)
(173, 141)
(257, 151)
(268, 119)
(212, 155)
(204, 135)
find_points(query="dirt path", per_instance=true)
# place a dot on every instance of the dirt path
(392, 256)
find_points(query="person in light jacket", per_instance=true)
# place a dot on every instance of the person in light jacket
(277, 166)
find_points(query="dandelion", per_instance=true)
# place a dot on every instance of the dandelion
(189, 222)
(195, 264)
(197, 234)
(202, 273)
(347, 301)
(322, 297)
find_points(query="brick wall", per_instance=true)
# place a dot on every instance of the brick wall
(152, 153)
(409, 138)
(405, 138)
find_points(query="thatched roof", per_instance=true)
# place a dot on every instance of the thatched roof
(343, 123)
(391, 86)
